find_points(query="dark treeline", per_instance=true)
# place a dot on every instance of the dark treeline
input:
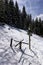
(10, 14)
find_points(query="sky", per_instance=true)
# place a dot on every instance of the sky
(34, 7)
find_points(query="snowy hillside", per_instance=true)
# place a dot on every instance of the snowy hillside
(14, 56)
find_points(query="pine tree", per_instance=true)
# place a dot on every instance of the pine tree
(17, 15)
(1, 10)
(27, 21)
(30, 18)
(36, 26)
(6, 11)
(24, 17)
(40, 27)
(11, 12)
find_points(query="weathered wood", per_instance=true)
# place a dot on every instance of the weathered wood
(30, 34)
(29, 42)
(22, 42)
(11, 42)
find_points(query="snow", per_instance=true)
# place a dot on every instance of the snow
(14, 56)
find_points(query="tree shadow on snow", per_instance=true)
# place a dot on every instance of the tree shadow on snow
(34, 53)
(23, 52)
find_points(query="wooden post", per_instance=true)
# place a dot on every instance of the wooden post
(11, 42)
(29, 32)
(29, 42)
(20, 45)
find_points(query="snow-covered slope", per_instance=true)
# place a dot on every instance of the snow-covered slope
(14, 56)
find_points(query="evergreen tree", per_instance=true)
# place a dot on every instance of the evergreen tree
(17, 15)
(6, 11)
(1, 10)
(33, 25)
(24, 17)
(36, 26)
(40, 27)
(11, 12)
(30, 18)
(27, 21)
